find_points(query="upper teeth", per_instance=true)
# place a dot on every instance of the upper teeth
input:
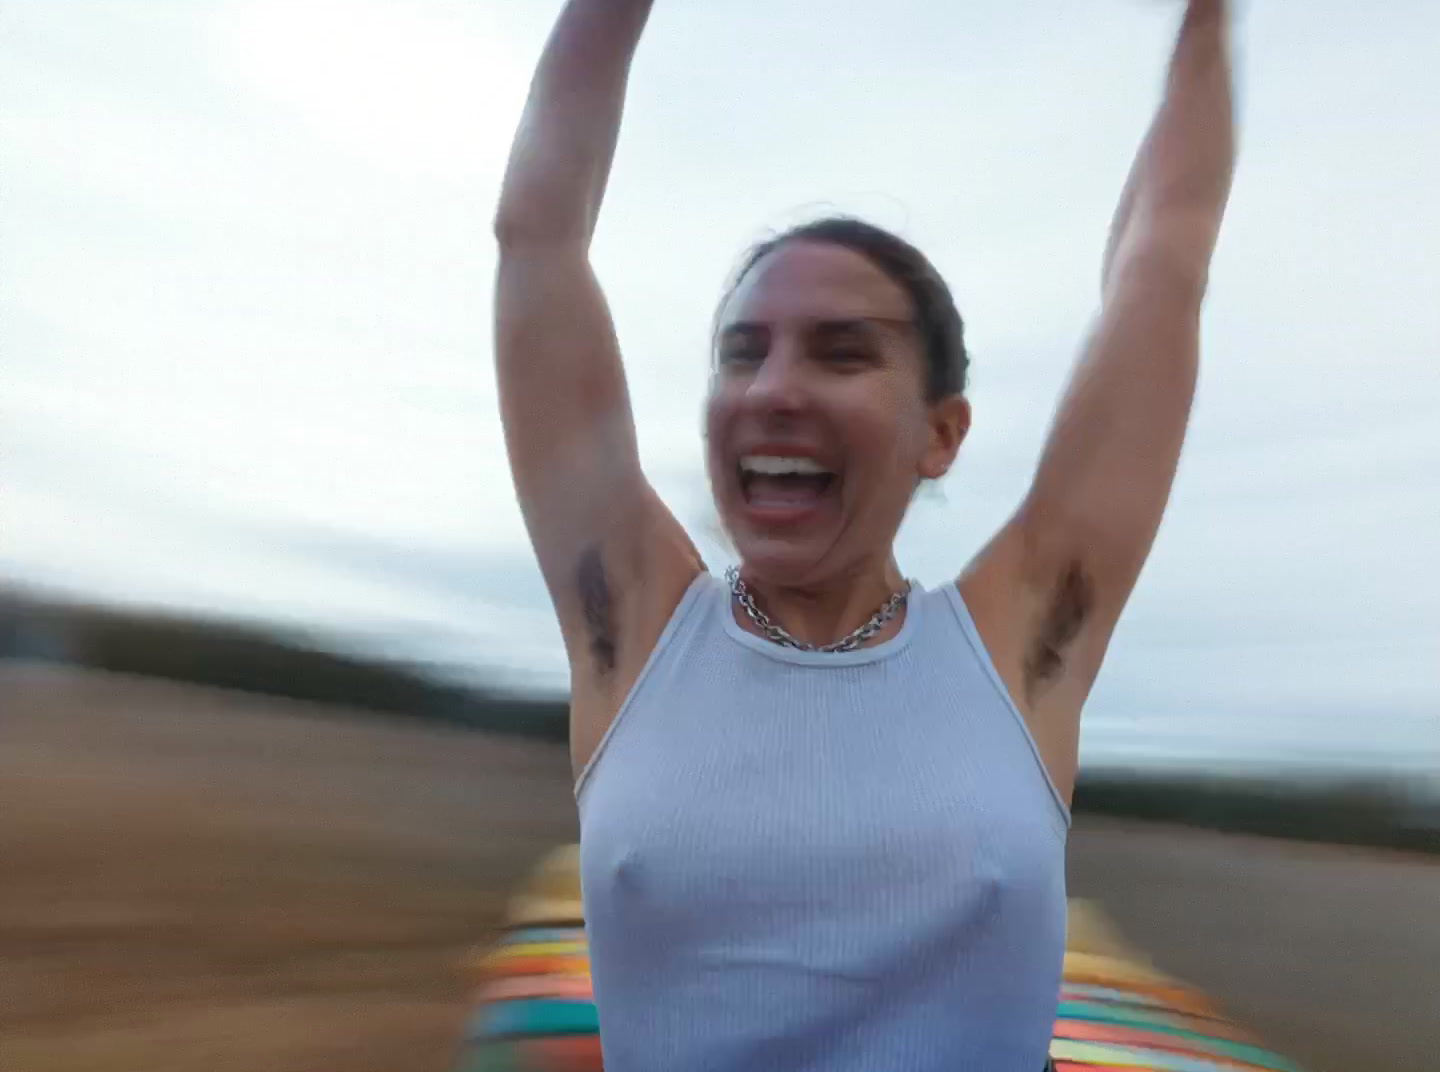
(770, 465)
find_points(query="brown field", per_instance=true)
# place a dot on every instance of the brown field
(197, 880)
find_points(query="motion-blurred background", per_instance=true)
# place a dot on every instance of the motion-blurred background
(282, 702)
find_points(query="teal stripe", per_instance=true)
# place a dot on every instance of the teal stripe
(1111, 996)
(543, 934)
(533, 1016)
(1112, 1014)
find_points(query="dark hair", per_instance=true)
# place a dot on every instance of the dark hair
(942, 332)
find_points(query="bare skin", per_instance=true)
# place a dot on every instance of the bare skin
(1046, 591)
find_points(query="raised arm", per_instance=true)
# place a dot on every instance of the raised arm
(1048, 590)
(560, 159)
(614, 560)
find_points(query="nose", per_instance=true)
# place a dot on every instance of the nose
(779, 384)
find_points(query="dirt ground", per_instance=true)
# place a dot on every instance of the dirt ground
(1332, 955)
(192, 879)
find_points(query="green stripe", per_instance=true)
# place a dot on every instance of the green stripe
(1114, 995)
(491, 1058)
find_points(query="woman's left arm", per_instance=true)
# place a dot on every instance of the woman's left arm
(1047, 591)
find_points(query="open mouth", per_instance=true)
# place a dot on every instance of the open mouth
(784, 483)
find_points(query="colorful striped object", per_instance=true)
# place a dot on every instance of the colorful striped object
(534, 1008)
(1117, 1012)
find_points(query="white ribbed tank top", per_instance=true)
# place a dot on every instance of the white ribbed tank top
(800, 861)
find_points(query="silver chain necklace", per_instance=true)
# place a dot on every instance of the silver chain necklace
(775, 633)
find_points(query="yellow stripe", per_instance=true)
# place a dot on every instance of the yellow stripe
(537, 949)
(1095, 966)
(1065, 1050)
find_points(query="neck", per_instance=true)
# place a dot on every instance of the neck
(828, 611)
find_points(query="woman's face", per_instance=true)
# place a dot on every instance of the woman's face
(817, 426)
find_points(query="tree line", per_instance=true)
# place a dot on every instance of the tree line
(1365, 811)
(257, 660)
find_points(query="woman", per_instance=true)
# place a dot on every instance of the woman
(823, 812)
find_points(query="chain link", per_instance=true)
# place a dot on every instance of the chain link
(776, 634)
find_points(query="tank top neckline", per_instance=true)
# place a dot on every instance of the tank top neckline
(724, 606)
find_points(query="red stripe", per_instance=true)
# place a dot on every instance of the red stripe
(1082, 1031)
(568, 1053)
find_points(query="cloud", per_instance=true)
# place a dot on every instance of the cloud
(245, 275)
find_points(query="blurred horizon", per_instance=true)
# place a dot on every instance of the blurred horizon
(245, 264)
(49, 628)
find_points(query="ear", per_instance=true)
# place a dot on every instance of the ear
(949, 424)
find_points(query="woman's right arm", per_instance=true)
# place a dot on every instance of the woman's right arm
(614, 559)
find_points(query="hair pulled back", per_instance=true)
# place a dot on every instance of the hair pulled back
(936, 319)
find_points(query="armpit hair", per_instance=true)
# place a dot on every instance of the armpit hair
(1069, 607)
(596, 603)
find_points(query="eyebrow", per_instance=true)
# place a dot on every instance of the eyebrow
(827, 326)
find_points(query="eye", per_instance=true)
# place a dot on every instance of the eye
(843, 347)
(742, 350)
(846, 354)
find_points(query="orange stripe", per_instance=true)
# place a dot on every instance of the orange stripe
(1082, 1031)
(1176, 999)
(1155, 991)
(577, 966)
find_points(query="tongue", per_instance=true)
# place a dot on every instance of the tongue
(786, 490)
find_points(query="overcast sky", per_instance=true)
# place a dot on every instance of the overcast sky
(245, 272)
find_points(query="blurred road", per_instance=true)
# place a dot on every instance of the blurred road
(192, 879)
